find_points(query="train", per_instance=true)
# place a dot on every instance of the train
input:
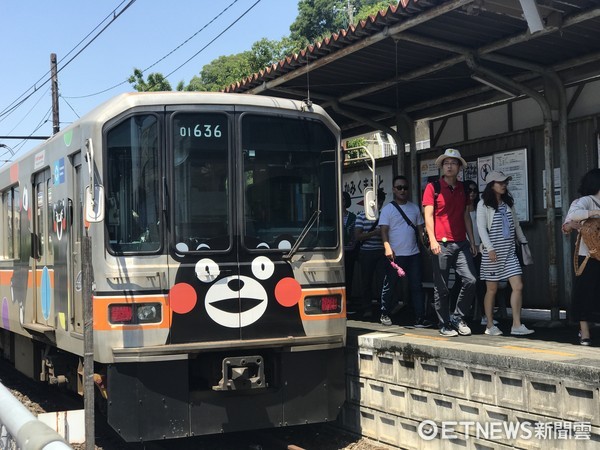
(217, 280)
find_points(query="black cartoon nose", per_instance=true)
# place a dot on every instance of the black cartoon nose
(236, 285)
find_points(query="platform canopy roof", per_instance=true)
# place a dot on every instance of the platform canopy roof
(430, 58)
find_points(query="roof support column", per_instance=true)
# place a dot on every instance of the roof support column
(549, 176)
(406, 126)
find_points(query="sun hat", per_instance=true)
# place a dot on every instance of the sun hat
(450, 153)
(498, 176)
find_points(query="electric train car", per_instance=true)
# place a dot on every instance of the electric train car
(218, 289)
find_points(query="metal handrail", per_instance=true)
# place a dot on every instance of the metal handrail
(18, 425)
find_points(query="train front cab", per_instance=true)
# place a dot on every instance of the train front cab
(235, 229)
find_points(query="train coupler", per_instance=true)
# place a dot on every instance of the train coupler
(240, 373)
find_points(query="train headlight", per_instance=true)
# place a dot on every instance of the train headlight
(135, 313)
(323, 304)
(148, 313)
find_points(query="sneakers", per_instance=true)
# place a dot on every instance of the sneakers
(484, 321)
(423, 323)
(448, 331)
(385, 320)
(462, 328)
(493, 331)
(585, 341)
(521, 331)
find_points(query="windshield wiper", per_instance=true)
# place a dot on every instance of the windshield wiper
(305, 230)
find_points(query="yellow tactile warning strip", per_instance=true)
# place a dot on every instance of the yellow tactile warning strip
(537, 350)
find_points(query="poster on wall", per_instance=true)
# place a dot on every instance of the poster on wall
(484, 168)
(355, 183)
(470, 172)
(514, 164)
(429, 172)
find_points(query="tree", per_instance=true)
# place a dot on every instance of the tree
(318, 19)
(156, 82)
(353, 147)
(225, 70)
(372, 9)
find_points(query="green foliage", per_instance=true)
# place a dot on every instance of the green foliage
(353, 150)
(316, 20)
(156, 82)
(318, 17)
(266, 52)
(225, 70)
(372, 9)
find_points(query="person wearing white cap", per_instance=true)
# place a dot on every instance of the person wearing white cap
(448, 224)
(498, 225)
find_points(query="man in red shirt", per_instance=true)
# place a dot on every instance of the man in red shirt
(448, 224)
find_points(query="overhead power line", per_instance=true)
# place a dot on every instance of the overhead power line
(45, 78)
(172, 51)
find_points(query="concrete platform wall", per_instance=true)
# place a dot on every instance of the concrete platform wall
(394, 386)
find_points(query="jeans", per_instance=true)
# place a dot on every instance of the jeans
(412, 267)
(371, 274)
(457, 254)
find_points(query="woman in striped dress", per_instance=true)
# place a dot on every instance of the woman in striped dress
(498, 225)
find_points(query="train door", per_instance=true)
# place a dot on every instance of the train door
(75, 211)
(42, 273)
(204, 297)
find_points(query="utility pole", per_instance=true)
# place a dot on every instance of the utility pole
(350, 9)
(54, 75)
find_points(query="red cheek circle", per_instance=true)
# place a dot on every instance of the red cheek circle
(288, 292)
(182, 298)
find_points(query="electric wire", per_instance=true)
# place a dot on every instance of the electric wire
(215, 38)
(43, 80)
(165, 56)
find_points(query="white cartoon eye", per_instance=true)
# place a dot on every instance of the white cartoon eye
(207, 270)
(182, 247)
(262, 267)
(263, 245)
(284, 245)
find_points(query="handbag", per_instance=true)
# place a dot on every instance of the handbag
(590, 233)
(524, 254)
(527, 258)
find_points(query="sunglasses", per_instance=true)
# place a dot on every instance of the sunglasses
(474, 190)
(401, 188)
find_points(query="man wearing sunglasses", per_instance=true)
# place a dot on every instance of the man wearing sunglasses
(401, 223)
(448, 223)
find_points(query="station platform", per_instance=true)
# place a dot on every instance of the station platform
(413, 388)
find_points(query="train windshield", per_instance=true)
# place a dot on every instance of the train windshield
(201, 181)
(289, 177)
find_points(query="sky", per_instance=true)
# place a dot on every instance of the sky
(141, 36)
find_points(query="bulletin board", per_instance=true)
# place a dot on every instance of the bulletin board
(513, 163)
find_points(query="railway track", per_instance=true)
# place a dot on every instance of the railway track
(40, 398)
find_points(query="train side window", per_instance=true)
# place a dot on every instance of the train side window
(132, 187)
(10, 243)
